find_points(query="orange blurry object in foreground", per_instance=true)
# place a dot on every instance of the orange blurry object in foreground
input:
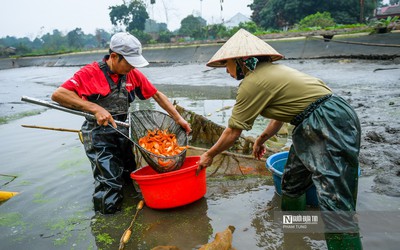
(160, 142)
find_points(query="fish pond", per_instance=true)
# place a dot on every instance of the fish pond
(54, 209)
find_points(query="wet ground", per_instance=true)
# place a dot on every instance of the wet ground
(54, 208)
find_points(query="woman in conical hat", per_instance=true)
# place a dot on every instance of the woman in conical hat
(326, 137)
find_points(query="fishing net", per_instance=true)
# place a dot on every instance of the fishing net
(207, 133)
(236, 161)
(143, 121)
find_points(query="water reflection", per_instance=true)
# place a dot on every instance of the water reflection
(268, 233)
(186, 227)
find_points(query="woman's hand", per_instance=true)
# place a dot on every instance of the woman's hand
(272, 128)
(259, 150)
(204, 162)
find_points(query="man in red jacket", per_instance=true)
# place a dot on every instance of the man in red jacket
(106, 89)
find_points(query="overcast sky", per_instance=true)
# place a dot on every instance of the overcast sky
(28, 18)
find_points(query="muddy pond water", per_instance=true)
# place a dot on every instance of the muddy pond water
(54, 209)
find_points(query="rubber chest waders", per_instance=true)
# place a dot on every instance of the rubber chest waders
(109, 152)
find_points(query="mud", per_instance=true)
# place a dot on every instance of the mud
(378, 109)
(54, 207)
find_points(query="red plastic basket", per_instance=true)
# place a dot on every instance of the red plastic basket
(171, 189)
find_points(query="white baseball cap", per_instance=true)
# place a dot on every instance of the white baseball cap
(129, 47)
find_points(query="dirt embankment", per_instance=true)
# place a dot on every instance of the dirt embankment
(361, 45)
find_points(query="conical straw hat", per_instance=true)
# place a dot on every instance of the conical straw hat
(243, 44)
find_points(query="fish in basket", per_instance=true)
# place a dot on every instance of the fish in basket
(168, 139)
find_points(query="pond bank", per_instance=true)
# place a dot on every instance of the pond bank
(356, 46)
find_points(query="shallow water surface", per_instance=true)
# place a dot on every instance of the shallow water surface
(54, 208)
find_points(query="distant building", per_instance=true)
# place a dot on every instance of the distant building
(236, 20)
(153, 28)
(387, 11)
(10, 51)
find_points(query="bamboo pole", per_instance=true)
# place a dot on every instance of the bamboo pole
(51, 128)
(57, 129)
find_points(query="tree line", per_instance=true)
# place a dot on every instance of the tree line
(267, 16)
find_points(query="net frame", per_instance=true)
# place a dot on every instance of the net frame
(141, 122)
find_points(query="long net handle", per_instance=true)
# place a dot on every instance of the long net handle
(65, 109)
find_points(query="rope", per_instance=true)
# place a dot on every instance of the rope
(360, 43)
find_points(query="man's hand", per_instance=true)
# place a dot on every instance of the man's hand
(185, 125)
(104, 117)
(70, 99)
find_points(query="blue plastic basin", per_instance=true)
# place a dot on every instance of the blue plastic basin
(276, 164)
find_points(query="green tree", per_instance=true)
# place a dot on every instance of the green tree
(90, 41)
(10, 41)
(274, 14)
(269, 14)
(102, 37)
(318, 19)
(37, 43)
(192, 26)
(54, 42)
(216, 31)
(257, 7)
(75, 38)
(250, 27)
(143, 37)
(345, 12)
(132, 15)
(21, 45)
(22, 48)
(151, 26)
(165, 36)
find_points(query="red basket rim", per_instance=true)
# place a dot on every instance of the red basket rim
(156, 175)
